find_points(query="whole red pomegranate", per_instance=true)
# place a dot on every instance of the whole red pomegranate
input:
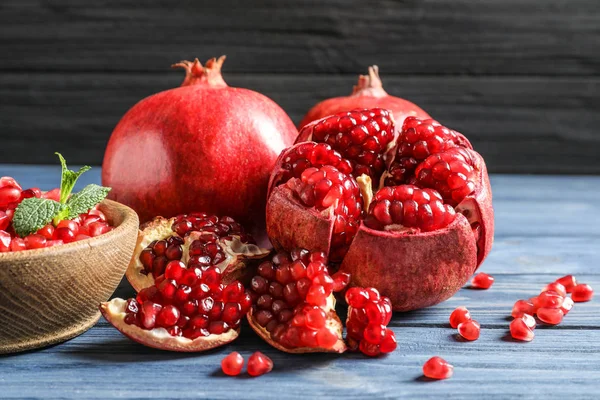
(203, 145)
(408, 213)
(368, 93)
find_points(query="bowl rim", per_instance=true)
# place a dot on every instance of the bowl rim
(130, 220)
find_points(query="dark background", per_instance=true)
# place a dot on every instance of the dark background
(521, 78)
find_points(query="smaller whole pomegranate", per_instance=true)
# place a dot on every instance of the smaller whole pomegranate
(368, 93)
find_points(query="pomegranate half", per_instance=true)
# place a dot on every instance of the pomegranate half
(408, 212)
(368, 93)
(203, 145)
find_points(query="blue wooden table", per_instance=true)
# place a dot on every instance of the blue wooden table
(546, 227)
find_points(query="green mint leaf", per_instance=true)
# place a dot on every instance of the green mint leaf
(68, 178)
(33, 213)
(86, 199)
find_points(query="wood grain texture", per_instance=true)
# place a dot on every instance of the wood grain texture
(462, 37)
(513, 122)
(542, 234)
(38, 303)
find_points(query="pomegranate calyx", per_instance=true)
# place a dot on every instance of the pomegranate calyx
(114, 312)
(369, 85)
(209, 74)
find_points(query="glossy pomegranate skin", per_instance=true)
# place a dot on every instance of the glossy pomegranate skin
(203, 145)
(368, 93)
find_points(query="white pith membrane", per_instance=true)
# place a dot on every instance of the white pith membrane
(236, 253)
(114, 312)
(332, 323)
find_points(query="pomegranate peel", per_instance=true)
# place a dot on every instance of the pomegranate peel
(158, 338)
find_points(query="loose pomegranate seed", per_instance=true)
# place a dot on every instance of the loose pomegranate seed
(46, 231)
(482, 281)
(259, 364)
(582, 292)
(17, 244)
(29, 193)
(555, 287)
(437, 368)
(519, 330)
(522, 307)
(418, 140)
(69, 224)
(35, 241)
(9, 195)
(361, 136)
(327, 187)
(469, 329)
(291, 293)
(232, 364)
(567, 305)
(568, 282)
(98, 228)
(4, 220)
(5, 240)
(408, 206)
(10, 182)
(64, 234)
(51, 243)
(549, 299)
(529, 321)
(551, 316)
(340, 281)
(53, 194)
(458, 316)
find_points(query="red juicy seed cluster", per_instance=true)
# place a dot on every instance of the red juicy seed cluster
(82, 227)
(290, 298)
(328, 187)
(437, 368)
(451, 173)
(157, 255)
(368, 317)
(550, 306)
(189, 303)
(199, 221)
(410, 207)
(361, 136)
(418, 140)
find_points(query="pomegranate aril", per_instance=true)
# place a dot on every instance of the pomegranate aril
(35, 241)
(7, 181)
(458, 316)
(18, 244)
(46, 231)
(469, 330)
(8, 195)
(232, 364)
(374, 333)
(64, 234)
(549, 299)
(259, 364)
(567, 305)
(437, 368)
(522, 307)
(582, 292)
(519, 330)
(168, 316)
(555, 287)
(388, 344)
(357, 297)
(5, 240)
(568, 282)
(482, 281)
(315, 319)
(340, 281)
(529, 321)
(552, 316)
(4, 220)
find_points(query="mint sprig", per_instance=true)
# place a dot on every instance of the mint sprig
(34, 213)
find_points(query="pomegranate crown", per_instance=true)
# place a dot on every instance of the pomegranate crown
(369, 85)
(209, 74)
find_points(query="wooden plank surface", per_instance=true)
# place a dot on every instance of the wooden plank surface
(546, 227)
(512, 121)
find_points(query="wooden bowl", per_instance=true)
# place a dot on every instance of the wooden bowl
(51, 295)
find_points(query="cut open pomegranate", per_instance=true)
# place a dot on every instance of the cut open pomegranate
(409, 214)
(199, 240)
(293, 305)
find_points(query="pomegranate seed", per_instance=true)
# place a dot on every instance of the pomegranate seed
(47, 231)
(551, 316)
(174, 270)
(18, 244)
(388, 344)
(437, 368)
(232, 364)
(469, 330)
(519, 330)
(529, 321)
(522, 307)
(9, 195)
(64, 234)
(458, 316)
(4, 220)
(5, 240)
(51, 243)
(582, 292)
(567, 305)
(53, 194)
(259, 364)
(549, 299)
(357, 297)
(340, 281)
(555, 287)
(482, 281)
(35, 241)
(10, 182)
(568, 282)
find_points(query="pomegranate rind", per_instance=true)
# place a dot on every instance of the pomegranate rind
(237, 253)
(478, 207)
(291, 224)
(157, 229)
(333, 323)
(158, 338)
(413, 270)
